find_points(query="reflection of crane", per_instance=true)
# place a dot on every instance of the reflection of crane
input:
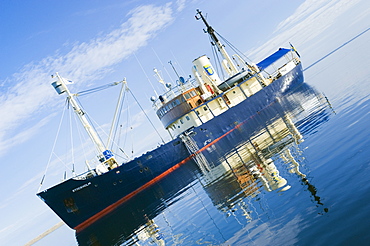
(150, 231)
(289, 158)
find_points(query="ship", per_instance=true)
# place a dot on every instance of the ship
(246, 173)
(197, 112)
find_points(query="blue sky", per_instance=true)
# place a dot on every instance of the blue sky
(97, 42)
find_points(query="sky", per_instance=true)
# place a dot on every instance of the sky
(94, 43)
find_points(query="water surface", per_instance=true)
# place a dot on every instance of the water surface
(300, 179)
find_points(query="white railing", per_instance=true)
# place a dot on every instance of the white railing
(175, 91)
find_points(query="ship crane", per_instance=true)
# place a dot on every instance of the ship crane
(106, 155)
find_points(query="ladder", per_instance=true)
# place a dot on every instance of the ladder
(197, 155)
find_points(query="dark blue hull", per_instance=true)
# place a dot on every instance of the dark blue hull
(80, 203)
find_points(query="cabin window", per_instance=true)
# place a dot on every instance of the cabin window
(190, 105)
(181, 122)
(205, 108)
(187, 96)
(187, 117)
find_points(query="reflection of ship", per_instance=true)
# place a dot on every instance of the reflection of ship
(250, 166)
(205, 113)
(134, 222)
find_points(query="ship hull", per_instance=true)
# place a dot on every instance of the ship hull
(79, 203)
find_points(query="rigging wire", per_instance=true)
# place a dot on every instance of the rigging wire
(182, 70)
(236, 50)
(128, 126)
(52, 150)
(165, 69)
(117, 114)
(132, 142)
(150, 82)
(118, 120)
(217, 58)
(93, 123)
(99, 88)
(146, 115)
(113, 141)
(80, 137)
(119, 134)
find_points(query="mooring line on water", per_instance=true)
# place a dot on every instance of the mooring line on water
(338, 48)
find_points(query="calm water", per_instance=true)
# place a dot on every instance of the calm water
(300, 179)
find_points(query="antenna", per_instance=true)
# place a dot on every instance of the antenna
(167, 86)
(170, 62)
(221, 48)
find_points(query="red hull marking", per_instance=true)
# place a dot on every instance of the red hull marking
(112, 207)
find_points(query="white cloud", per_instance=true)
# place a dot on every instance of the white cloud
(23, 135)
(180, 4)
(311, 19)
(85, 61)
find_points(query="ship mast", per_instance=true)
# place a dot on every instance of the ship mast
(231, 68)
(61, 86)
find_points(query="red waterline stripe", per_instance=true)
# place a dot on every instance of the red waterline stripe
(113, 206)
(230, 131)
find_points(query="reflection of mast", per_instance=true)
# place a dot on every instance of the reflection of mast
(288, 158)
